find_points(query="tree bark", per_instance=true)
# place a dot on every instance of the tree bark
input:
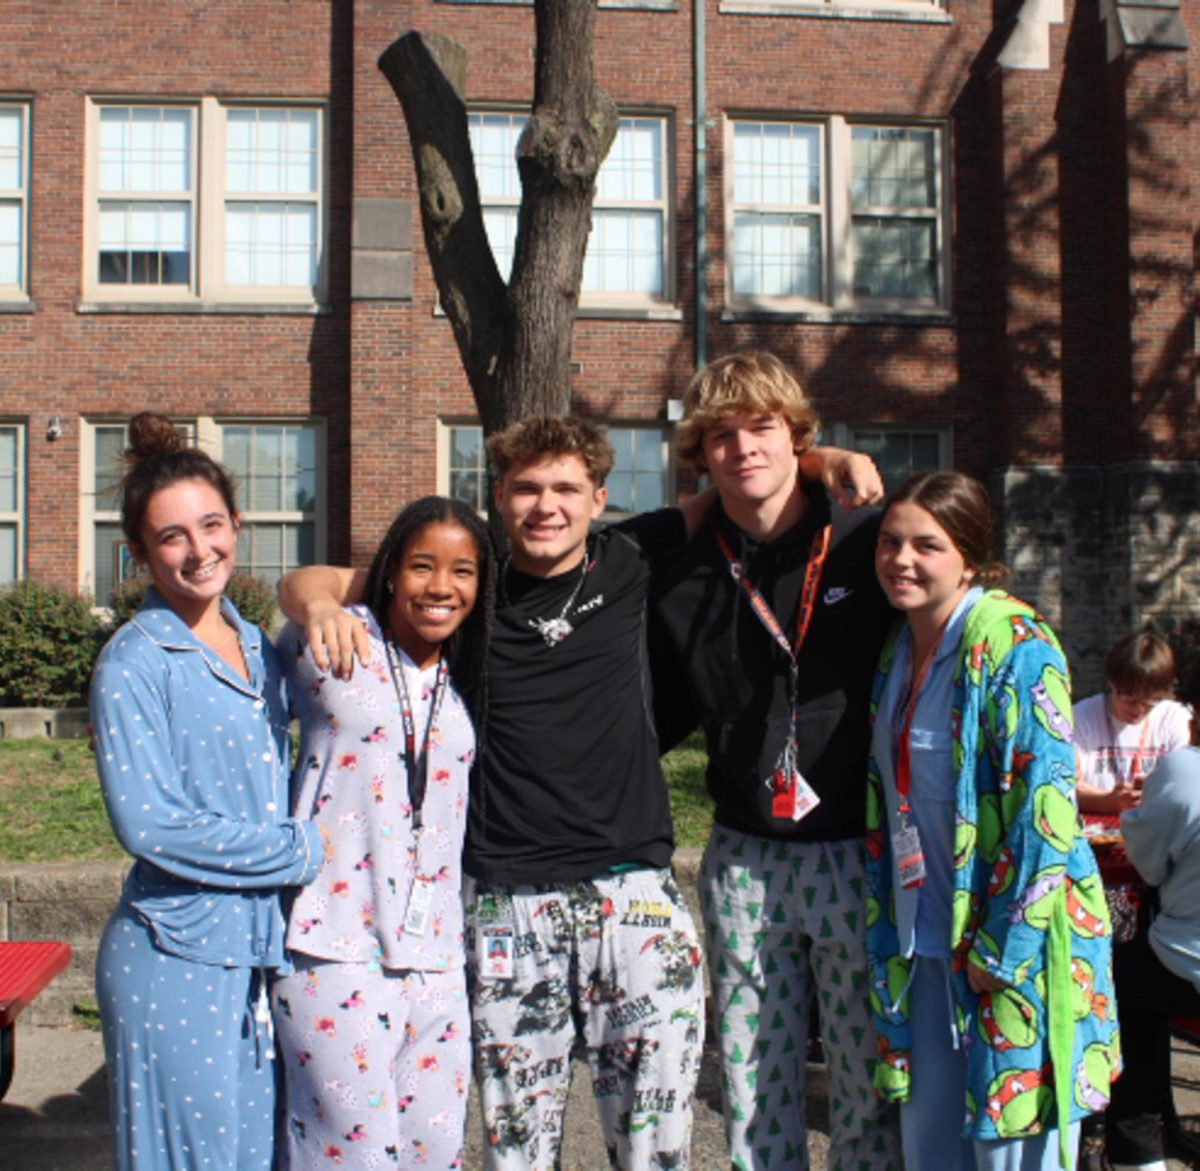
(515, 339)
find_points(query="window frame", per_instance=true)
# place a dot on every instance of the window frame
(16, 517)
(916, 10)
(847, 435)
(209, 199)
(836, 278)
(448, 424)
(601, 301)
(19, 292)
(207, 433)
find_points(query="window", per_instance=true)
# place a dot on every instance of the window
(825, 214)
(899, 451)
(12, 501)
(14, 198)
(889, 9)
(464, 457)
(638, 482)
(627, 254)
(275, 469)
(278, 472)
(205, 202)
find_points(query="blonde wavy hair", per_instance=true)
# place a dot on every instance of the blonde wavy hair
(752, 382)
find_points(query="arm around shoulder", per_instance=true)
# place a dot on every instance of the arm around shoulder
(314, 597)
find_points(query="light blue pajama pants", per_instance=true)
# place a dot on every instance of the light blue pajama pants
(377, 1066)
(932, 1138)
(191, 1079)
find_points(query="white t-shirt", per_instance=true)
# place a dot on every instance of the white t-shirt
(1110, 750)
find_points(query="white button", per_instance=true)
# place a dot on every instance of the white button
(267, 756)
(271, 806)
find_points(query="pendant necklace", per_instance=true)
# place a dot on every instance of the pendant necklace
(554, 630)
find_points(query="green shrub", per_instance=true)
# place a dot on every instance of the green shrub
(49, 638)
(253, 597)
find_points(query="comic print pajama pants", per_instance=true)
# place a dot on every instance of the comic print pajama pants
(775, 912)
(614, 960)
(377, 1066)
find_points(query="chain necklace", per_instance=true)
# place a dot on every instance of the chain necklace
(552, 630)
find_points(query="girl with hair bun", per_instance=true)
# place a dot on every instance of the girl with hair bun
(988, 934)
(191, 727)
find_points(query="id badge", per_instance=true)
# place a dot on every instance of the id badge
(420, 901)
(806, 799)
(497, 948)
(792, 796)
(910, 860)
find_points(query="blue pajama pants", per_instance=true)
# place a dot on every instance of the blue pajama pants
(931, 1120)
(191, 1079)
(377, 1066)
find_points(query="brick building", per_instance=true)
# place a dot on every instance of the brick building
(969, 225)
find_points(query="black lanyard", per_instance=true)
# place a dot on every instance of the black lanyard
(416, 766)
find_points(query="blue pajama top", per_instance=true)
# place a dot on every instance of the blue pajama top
(193, 764)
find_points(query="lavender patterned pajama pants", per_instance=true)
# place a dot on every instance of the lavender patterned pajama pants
(376, 1066)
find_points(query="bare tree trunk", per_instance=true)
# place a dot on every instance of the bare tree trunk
(514, 340)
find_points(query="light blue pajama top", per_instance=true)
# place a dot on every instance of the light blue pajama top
(193, 764)
(1162, 838)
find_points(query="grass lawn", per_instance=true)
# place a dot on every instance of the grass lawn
(51, 809)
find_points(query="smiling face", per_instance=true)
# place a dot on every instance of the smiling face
(918, 566)
(433, 586)
(188, 545)
(751, 458)
(547, 507)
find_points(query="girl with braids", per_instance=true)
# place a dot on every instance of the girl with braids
(191, 729)
(988, 938)
(374, 1022)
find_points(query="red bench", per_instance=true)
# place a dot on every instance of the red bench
(25, 969)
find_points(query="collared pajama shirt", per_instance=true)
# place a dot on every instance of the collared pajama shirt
(193, 763)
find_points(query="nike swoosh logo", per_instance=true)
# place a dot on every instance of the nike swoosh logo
(836, 594)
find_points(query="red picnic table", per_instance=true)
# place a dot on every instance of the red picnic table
(25, 969)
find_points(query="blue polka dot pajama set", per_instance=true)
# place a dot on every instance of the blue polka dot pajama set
(193, 766)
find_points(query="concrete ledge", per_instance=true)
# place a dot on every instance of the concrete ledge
(66, 723)
(73, 900)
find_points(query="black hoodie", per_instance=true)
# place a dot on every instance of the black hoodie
(715, 663)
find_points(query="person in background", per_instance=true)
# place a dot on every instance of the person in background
(1158, 972)
(988, 933)
(373, 1023)
(191, 730)
(1121, 733)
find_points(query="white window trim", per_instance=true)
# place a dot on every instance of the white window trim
(444, 426)
(16, 517)
(600, 301)
(837, 259)
(20, 291)
(916, 10)
(206, 432)
(207, 200)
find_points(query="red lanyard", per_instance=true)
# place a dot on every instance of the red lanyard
(808, 592)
